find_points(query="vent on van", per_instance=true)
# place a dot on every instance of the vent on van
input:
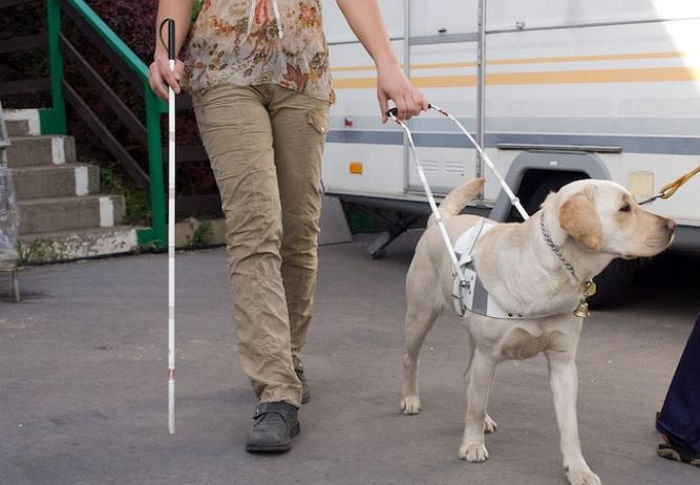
(430, 165)
(454, 167)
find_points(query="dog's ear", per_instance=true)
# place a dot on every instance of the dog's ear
(578, 217)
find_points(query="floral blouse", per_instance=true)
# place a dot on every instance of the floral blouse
(248, 42)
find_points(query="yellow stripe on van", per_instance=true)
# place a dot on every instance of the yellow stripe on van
(657, 74)
(532, 60)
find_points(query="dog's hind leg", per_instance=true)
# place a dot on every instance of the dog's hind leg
(422, 310)
(481, 374)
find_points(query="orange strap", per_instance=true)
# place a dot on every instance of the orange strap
(669, 189)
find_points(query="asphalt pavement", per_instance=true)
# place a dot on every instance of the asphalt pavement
(83, 381)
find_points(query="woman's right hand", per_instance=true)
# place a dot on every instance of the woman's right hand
(160, 76)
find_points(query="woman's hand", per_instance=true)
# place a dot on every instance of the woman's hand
(365, 20)
(160, 76)
(392, 84)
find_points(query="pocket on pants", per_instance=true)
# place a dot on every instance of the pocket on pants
(318, 119)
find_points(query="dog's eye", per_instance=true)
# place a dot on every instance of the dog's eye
(626, 208)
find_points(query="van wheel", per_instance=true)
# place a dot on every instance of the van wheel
(537, 190)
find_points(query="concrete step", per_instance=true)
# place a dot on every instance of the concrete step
(59, 219)
(48, 247)
(27, 151)
(69, 213)
(22, 122)
(56, 181)
(17, 127)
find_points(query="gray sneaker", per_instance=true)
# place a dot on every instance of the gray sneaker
(299, 369)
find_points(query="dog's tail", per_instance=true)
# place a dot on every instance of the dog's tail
(458, 198)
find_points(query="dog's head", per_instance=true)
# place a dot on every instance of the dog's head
(602, 216)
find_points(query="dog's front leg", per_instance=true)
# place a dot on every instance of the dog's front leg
(481, 374)
(563, 380)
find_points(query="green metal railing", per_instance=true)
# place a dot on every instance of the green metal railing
(53, 120)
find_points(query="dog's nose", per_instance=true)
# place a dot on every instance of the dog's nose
(670, 225)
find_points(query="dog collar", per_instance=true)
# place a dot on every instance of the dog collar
(555, 249)
(588, 287)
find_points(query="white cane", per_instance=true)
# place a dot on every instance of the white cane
(171, 232)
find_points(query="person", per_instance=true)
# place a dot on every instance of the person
(259, 76)
(679, 419)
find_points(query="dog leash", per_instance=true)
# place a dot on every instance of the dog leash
(669, 189)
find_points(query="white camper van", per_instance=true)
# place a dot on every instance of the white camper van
(567, 89)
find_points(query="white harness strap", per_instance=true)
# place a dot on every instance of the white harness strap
(473, 296)
(468, 292)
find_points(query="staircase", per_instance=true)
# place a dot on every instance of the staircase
(63, 216)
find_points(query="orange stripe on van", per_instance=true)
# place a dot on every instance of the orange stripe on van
(658, 74)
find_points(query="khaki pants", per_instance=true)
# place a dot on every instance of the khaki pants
(265, 145)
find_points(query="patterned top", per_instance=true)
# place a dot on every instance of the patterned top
(248, 42)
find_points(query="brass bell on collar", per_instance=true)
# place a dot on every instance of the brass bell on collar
(582, 309)
(589, 290)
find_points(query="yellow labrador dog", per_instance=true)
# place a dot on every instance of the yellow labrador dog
(536, 270)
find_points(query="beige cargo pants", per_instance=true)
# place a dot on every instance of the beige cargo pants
(265, 145)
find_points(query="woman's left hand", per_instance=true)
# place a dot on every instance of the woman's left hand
(392, 84)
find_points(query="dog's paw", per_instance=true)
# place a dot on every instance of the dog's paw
(582, 477)
(475, 452)
(489, 424)
(410, 405)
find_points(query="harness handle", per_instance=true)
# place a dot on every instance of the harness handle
(514, 200)
(394, 112)
(431, 199)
